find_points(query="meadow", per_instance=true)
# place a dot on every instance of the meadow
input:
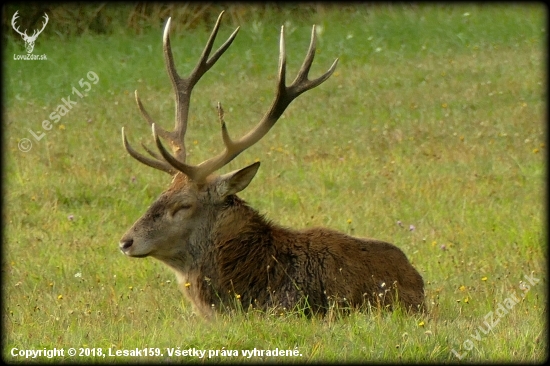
(431, 135)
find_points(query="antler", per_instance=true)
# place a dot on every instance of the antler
(13, 19)
(182, 88)
(36, 33)
(285, 95)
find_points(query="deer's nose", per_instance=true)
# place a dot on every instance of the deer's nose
(125, 244)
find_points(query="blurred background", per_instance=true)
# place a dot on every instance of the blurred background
(109, 18)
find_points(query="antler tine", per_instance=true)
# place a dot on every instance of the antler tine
(284, 96)
(16, 27)
(183, 87)
(151, 152)
(225, 135)
(189, 170)
(301, 83)
(36, 31)
(153, 163)
(162, 132)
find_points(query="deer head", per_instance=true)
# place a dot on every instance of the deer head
(29, 40)
(196, 192)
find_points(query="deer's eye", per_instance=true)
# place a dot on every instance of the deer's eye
(178, 208)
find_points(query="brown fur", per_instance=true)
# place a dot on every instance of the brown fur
(233, 251)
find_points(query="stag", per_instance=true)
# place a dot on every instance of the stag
(225, 253)
(29, 40)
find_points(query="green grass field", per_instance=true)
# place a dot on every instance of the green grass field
(435, 118)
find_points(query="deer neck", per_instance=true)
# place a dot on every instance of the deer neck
(234, 224)
(238, 223)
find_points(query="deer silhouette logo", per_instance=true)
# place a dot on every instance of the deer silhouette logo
(29, 40)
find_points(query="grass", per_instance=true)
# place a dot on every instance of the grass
(434, 118)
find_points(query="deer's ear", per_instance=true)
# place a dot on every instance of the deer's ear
(237, 180)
